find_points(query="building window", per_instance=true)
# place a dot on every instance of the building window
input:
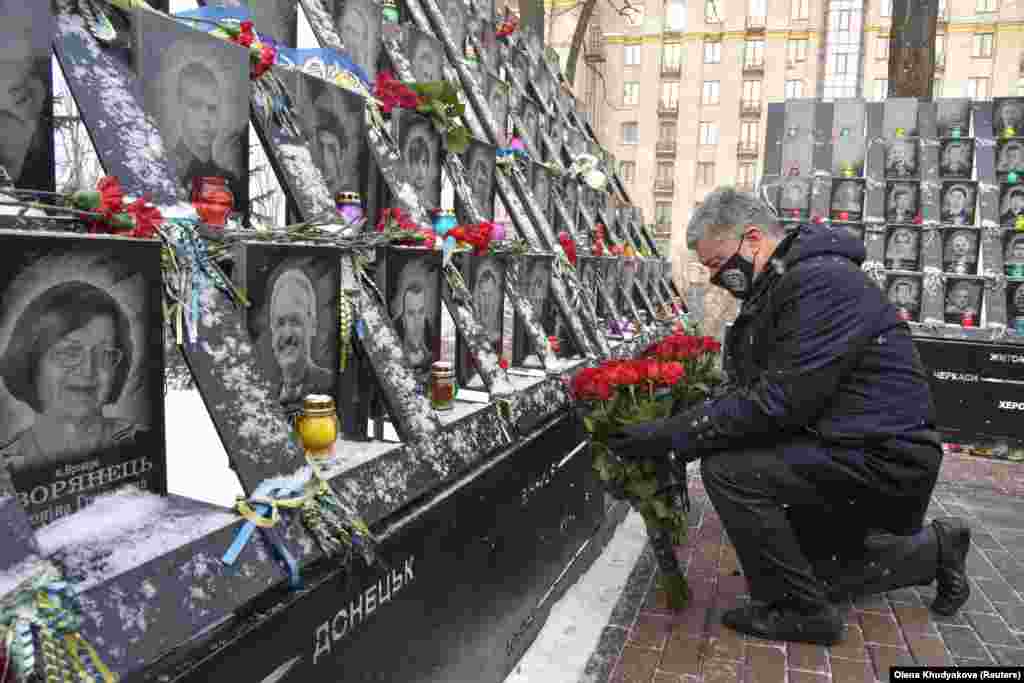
(987, 5)
(628, 170)
(885, 8)
(753, 53)
(982, 44)
(937, 87)
(794, 90)
(752, 92)
(882, 47)
(706, 173)
(630, 93)
(746, 174)
(675, 19)
(672, 56)
(748, 133)
(796, 50)
(881, 88)
(708, 133)
(940, 49)
(663, 213)
(666, 171)
(712, 52)
(670, 95)
(710, 93)
(842, 64)
(801, 9)
(667, 132)
(712, 15)
(630, 133)
(631, 55)
(977, 89)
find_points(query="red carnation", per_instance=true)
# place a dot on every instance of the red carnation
(111, 195)
(393, 93)
(671, 373)
(245, 35)
(568, 246)
(503, 363)
(711, 345)
(147, 218)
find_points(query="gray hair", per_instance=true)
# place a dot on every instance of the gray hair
(725, 213)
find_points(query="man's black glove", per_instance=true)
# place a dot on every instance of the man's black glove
(652, 439)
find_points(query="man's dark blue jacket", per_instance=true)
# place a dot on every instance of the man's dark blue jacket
(818, 349)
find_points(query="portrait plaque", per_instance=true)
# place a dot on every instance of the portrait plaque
(963, 302)
(497, 99)
(485, 277)
(335, 126)
(293, 320)
(425, 53)
(529, 119)
(903, 248)
(1011, 204)
(847, 200)
(901, 158)
(958, 203)
(1010, 158)
(1015, 306)
(956, 158)
(953, 115)
(479, 159)
(1014, 253)
(795, 198)
(542, 179)
(413, 294)
(81, 369)
(457, 16)
(905, 293)
(960, 252)
(26, 94)
(901, 202)
(420, 146)
(534, 286)
(1008, 114)
(196, 87)
(359, 24)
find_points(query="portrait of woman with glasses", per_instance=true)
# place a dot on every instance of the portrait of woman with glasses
(69, 356)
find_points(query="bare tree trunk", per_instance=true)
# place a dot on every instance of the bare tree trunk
(531, 14)
(578, 36)
(912, 48)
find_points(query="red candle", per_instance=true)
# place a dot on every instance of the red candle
(844, 216)
(212, 200)
(967, 319)
(903, 314)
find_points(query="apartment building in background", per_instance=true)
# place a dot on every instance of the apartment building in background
(678, 90)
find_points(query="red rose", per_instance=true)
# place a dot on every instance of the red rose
(671, 373)
(590, 383)
(503, 363)
(649, 368)
(111, 195)
(711, 345)
(568, 246)
(245, 35)
(623, 374)
(147, 218)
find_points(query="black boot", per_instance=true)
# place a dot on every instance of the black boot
(816, 625)
(938, 551)
(952, 588)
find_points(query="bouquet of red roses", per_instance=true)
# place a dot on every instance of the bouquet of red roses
(672, 375)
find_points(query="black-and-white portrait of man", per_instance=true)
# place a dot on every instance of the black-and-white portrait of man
(961, 297)
(961, 252)
(1012, 204)
(81, 364)
(902, 203)
(629, 272)
(612, 272)
(488, 297)
(197, 88)
(1015, 249)
(957, 159)
(1009, 114)
(479, 162)
(901, 159)
(456, 14)
(359, 23)
(497, 98)
(1011, 157)
(901, 249)
(26, 139)
(536, 282)
(958, 204)
(414, 309)
(905, 294)
(421, 149)
(292, 321)
(795, 195)
(490, 50)
(426, 56)
(571, 193)
(1015, 301)
(848, 197)
(542, 187)
(529, 116)
(339, 137)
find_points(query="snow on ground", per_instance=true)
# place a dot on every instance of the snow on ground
(571, 632)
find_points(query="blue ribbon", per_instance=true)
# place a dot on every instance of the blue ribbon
(271, 535)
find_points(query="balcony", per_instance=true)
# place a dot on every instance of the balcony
(747, 149)
(665, 147)
(750, 109)
(756, 24)
(668, 108)
(753, 68)
(664, 184)
(671, 69)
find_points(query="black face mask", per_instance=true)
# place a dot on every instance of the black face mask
(736, 275)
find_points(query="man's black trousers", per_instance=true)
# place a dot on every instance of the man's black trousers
(793, 508)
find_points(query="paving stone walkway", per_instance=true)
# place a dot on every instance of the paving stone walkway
(646, 643)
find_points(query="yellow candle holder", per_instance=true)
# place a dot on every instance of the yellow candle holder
(317, 425)
(1019, 223)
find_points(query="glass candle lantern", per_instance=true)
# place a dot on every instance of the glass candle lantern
(443, 222)
(390, 12)
(317, 425)
(212, 199)
(349, 206)
(442, 386)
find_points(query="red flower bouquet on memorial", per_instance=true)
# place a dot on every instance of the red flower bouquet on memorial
(672, 375)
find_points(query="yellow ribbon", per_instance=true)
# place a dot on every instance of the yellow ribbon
(75, 643)
(244, 506)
